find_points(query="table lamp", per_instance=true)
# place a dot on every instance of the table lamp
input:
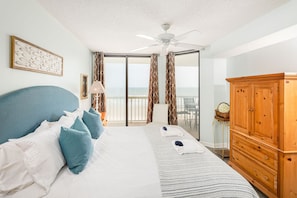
(97, 88)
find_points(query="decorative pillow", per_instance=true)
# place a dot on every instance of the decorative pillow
(80, 125)
(42, 157)
(92, 110)
(77, 148)
(93, 123)
(14, 175)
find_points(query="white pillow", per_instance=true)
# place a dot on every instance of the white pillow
(43, 126)
(33, 190)
(42, 157)
(55, 126)
(35, 157)
(160, 113)
(50, 124)
(66, 121)
(78, 112)
(13, 173)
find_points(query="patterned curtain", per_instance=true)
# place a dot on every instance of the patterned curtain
(170, 95)
(98, 74)
(153, 95)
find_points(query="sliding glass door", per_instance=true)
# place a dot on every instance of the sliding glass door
(115, 90)
(138, 81)
(187, 92)
(126, 84)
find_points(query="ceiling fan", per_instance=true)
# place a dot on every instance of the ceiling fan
(166, 39)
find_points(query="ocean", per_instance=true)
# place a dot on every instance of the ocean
(120, 92)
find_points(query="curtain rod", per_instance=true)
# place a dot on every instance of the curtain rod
(186, 52)
(129, 55)
(147, 55)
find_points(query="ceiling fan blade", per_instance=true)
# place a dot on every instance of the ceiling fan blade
(142, 48)
(184, 35)
(189, 46)
(147, 37)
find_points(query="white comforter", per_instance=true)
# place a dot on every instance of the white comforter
(123, 165)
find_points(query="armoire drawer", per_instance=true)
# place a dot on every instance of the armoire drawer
(262, 174)
(261, 153)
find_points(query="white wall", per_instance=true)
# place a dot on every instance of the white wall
(278, 19)
(206, 100)
(239, 56)
(212, 92)
(29, 21)
(281, 57)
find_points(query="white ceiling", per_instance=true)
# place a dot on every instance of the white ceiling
(111, 26)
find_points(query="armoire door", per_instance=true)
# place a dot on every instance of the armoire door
(265, 111)
(240, 106)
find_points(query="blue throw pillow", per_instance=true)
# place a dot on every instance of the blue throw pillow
(76, 147)
(92, 110)
(93, 123)
(80, 125)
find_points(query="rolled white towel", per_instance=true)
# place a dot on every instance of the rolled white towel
(189, 146)
(168, 131)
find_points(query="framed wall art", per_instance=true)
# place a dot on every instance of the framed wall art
(30, 57)
(83, 86)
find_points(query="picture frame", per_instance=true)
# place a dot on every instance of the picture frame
(83, 86)
(30, 57)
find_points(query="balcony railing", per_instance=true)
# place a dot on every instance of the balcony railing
(137, 108)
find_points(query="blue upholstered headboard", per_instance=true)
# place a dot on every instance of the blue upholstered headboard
(22, 111)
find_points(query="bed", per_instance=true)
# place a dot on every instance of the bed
(142, 161)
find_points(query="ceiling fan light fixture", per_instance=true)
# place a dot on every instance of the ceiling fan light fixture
(166, 39)
(166, 36)
(165, 26)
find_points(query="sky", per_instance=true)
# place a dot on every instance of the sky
(139, 76)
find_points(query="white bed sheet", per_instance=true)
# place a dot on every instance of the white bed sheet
(122, 165)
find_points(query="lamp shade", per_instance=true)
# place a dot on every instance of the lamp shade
(97, 87)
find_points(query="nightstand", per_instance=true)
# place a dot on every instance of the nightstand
(104, 122)
(223, 151)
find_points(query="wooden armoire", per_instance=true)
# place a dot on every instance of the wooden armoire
(263, 131)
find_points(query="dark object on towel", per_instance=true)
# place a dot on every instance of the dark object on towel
(164, 128)
(178, 143)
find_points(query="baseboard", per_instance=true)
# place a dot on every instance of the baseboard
(207, 144)
(212, 145)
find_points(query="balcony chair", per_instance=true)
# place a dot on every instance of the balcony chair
(190, 107)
